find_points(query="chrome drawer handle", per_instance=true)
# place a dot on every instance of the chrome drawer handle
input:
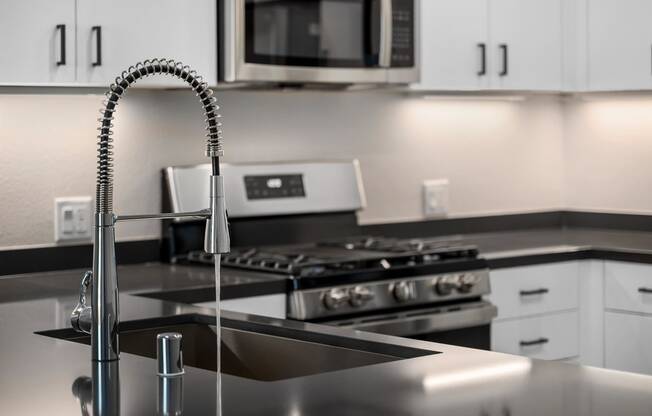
(644, 290)
(539, 341)
(541, 291)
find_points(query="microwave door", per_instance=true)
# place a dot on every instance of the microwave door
(313, 41)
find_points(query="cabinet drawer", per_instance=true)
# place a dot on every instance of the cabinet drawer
(532, 290)
(627, 342)
(628, 287)
(550, 337)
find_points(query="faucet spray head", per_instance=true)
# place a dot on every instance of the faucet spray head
(216, 238)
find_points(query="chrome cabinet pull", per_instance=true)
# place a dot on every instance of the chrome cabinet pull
(534, 292)
(62, 47)
(539, 341)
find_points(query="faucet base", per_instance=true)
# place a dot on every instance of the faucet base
(105, 313)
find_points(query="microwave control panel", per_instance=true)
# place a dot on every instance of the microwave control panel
(403, 22)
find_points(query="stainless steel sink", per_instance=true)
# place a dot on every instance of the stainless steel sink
(252, 350)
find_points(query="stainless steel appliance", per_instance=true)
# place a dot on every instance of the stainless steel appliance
(318, 41)
(428, 289)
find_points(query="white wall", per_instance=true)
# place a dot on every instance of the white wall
(500, 156)
(608, 153)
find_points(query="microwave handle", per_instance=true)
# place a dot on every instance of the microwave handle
(386, 34)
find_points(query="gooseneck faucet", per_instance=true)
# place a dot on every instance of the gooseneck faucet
(101, 318)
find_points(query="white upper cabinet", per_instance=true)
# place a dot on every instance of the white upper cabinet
(112, 35)
(454, 45)
(620, 44)
(526, 37)
(491, 44)
(37, 42)
(90, 42)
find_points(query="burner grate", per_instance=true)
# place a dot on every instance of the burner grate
(342, 256)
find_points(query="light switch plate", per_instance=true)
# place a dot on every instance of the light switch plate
(72, 219)
(435, 198)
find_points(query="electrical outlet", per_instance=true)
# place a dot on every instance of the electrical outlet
(72, 219)
(435, 198)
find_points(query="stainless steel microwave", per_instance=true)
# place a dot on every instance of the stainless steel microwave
(318, 41)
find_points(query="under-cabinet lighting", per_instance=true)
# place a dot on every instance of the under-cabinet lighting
(453, 97)
(615, 95)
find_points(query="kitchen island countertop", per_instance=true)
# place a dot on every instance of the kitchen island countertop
(38, 372)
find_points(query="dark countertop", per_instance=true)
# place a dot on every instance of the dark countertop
(38, 372)
(516, 248)
(501, 249)
(148, 278)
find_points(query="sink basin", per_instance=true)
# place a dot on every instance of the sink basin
(252, 350)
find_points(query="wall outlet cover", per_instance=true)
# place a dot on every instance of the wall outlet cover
(435, 198)
(72, 219)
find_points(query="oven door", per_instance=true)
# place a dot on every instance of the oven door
(466, 325)
(320, 41)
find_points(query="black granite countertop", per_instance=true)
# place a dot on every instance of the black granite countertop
(146, 278)
(501, 249)
(38, 372)
(525, 247)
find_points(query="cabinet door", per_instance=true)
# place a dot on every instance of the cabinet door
(627, 342)
(453, 35)
(620, 44)
(547, 337)
(31, 41)
(526, 37)
(535, 290)
(628, 287)
(112, 35)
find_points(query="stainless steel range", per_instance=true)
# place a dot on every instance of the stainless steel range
(428, 289)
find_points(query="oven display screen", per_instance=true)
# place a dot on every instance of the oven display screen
(274, 186)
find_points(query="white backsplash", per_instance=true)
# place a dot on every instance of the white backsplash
(500, 156)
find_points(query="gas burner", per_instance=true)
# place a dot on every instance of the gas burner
(350, 256)
(430, 248)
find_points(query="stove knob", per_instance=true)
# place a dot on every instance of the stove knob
(402, 291)
(335, 298)
(446, 284)
(360, 295)
(467, 281)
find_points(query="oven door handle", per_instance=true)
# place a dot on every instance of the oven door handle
(435, 322)
(386, 34)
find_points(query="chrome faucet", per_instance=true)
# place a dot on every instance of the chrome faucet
(101, 318)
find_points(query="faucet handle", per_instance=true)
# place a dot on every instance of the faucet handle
(216, 237)
(80, 319)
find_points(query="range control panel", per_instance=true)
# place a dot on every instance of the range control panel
(274, 186)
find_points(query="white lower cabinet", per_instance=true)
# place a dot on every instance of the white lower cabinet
(273, 306)
(549, 337)
(538, 310)
(628, 287)
(534, 290)
(628, 316)
(628, 342)
(592, 312)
